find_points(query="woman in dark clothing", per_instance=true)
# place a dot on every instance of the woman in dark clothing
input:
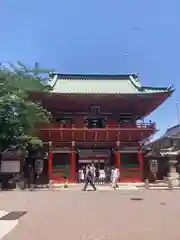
(108, 174)
(89, 178)
(97, 174)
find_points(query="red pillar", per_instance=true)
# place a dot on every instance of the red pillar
(73, 166)
(140, 159)
(118, 159)
(50, 156)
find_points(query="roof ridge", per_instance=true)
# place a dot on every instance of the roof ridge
(136, 82)
(55, 80)
(90, 76)
(173, 127)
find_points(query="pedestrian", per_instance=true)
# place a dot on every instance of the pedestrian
(97, 174)
(115, 174)
(108, 174)
(65, 182)
(89, 178)
(93, 170)
(84, 173)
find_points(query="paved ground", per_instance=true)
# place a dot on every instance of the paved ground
(109, 215)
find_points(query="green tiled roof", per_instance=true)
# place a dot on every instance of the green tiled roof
(101, 84)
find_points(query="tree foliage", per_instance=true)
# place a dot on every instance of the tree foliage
(18, 114)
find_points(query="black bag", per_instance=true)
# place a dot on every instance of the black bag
(97, 173)
(89, 175)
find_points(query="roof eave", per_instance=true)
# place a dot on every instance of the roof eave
(113, 93)
(169, 89)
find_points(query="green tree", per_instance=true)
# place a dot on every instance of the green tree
(19, 115)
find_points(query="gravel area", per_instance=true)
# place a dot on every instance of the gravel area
(110, 215)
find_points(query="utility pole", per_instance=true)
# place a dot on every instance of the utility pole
(178, 116)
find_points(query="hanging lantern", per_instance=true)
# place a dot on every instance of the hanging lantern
(39, 166)
(50, 144)
(153, 164)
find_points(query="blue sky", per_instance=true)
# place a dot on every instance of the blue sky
(98, 36)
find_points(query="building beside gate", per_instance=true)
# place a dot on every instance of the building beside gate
(98, 118)
(169, 142)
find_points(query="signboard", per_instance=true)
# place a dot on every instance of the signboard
(10, 166)
(153, 165)
(89, 161)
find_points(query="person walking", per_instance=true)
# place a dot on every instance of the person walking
(115, 174)
(97, 174)
(108, 174)
(84, 173)
(93, 171)
(89, 178)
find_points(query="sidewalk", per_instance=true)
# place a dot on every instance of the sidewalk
(105, 187)
(79, 186)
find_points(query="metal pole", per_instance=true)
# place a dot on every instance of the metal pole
(178, 116)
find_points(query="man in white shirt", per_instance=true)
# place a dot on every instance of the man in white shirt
(93, 171)
(115, 175)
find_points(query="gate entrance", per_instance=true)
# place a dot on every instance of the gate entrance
(100, 158)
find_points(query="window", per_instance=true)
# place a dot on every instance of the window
(126, 120)
(95, 122)
(64, 120)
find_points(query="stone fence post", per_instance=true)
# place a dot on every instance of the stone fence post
(173, 176)
(146, 183)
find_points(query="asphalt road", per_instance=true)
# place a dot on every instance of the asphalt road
(91, 215)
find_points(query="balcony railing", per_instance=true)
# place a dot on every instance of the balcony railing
(137, 126)
(111, 133)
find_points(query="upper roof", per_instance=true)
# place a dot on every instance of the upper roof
(102, 84)
(173, 131)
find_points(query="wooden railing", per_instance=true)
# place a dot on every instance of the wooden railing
(68, 133)
(54, 126)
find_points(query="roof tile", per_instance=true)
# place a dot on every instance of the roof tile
(101, 84)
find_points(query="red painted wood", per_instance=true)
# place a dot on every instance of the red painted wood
(143, 105)
(73, 166)
(116, 126)
(57, 174)
(50, 156)
(131, 180)
(111, 122)
(117, 154)
(131, 175)
(140, 158)
(95, 135)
